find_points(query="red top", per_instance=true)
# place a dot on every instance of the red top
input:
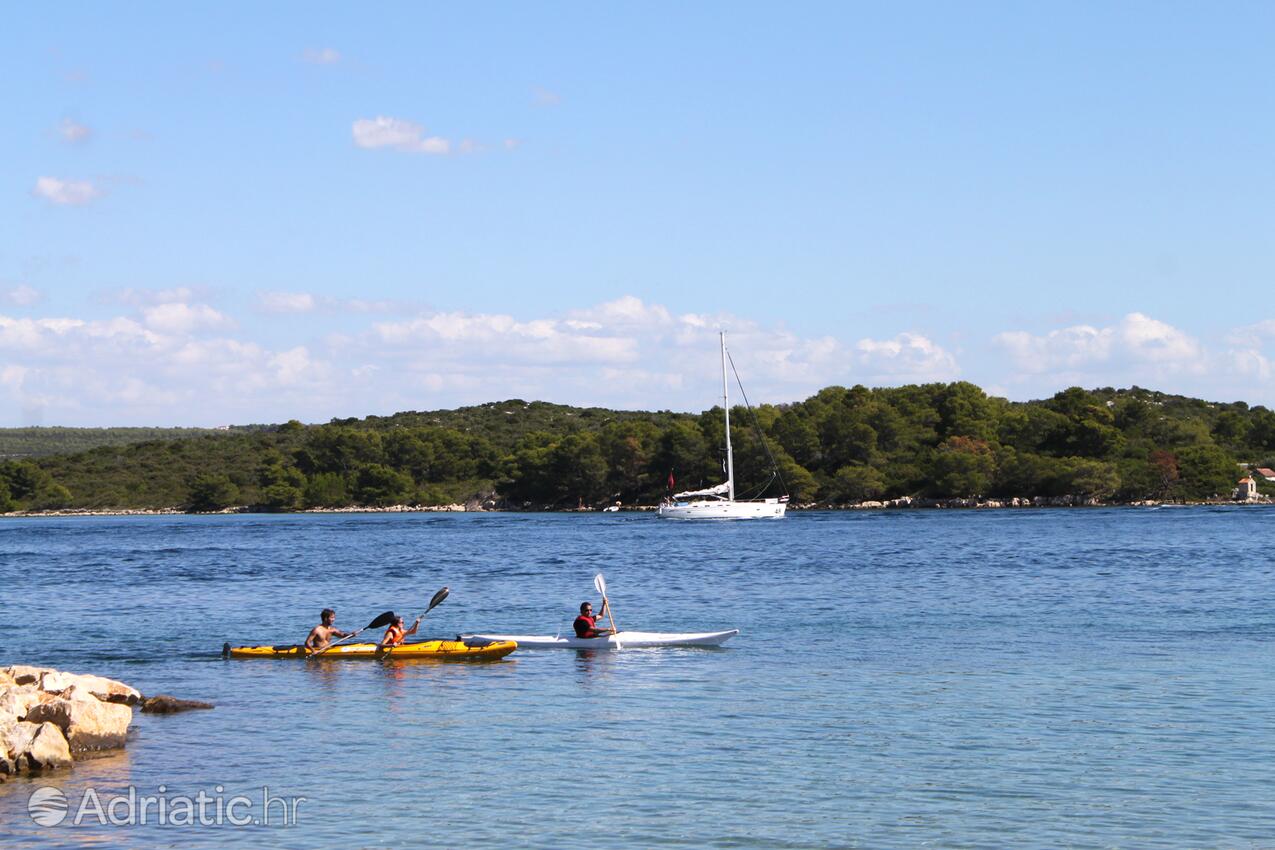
(585, 626)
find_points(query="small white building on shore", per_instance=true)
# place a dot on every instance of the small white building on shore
(1246, 489)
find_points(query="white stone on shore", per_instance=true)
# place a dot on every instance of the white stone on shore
(107, 690)
(27, 746)
(88, 723)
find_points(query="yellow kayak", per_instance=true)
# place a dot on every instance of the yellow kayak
(436, 650)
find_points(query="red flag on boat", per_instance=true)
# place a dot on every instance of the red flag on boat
(670, 479)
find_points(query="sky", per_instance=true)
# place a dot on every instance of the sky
(234, 213)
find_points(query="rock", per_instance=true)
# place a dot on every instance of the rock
(88, 723)
(34, 746)
(107, 690)
(17, 700)
(24, 675)
(165, 704)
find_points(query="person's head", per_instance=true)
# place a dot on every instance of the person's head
(586, 608)
(398, 621)
(327, 616)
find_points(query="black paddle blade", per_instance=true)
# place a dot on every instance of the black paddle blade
(438, 597)
(383, 620)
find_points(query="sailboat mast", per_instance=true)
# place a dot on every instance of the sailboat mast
(730, 456)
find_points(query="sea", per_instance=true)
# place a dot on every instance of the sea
(1060, 678)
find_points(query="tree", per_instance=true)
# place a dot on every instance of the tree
(1165, 465)
(1091, 478)
(211, 492)
(682, 450)
(965, 411)
(326, 490)
(963, 466)
(1205, 471)
(855, 483)
(797, 434)
(281, 486)
(377, 484)
(578, 468)
(51, 496)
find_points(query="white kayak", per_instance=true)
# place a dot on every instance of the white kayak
(623, 640)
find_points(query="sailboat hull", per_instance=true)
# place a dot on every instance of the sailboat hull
(723, 509)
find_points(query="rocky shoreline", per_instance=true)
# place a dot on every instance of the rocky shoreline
(48, 717)
(489, 507)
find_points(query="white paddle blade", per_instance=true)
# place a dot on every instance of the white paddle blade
(601, 584)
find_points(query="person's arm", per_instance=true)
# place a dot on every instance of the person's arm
(309, 639)
(412, 630)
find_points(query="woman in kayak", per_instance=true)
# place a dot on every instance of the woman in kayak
(586, 624)
(321, 635)
(395, 634)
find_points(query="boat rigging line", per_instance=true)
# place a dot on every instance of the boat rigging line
(761, 435)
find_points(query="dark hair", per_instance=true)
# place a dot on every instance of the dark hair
(584, 605)
(327, 612)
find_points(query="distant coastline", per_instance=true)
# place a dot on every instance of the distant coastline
(931, 445)
(1017, 503)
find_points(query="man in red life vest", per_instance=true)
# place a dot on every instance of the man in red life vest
(586, 624)
(395, 634)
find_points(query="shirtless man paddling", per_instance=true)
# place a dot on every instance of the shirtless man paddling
(321, 635)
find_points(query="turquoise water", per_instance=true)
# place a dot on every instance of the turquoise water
(1045, 678)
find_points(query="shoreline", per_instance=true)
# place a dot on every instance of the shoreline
(905, 503)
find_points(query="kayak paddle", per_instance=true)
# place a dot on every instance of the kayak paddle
(383, 619)
(433, 603)
(601, 584)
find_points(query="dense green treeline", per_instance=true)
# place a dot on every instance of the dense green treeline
(32, 442)
(841, 445)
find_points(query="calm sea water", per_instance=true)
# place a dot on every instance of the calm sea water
(1037, 678)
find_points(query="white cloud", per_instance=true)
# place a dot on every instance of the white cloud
(1254, 334)
(626, 311)
(908, 357)
(321, 56)
(159, 369)
(21, 296)
(182, 361)
(74, 132)
(180, 318)
(306, 302)
(1136, 341)
(385, 132)
(66, 192)
(144, 297)
(286, 302)
(1153, 341)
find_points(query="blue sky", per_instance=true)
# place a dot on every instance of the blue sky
(249, 212)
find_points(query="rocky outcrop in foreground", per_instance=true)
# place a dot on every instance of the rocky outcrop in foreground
(48, 717)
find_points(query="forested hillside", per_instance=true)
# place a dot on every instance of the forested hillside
(40, 442)
(839, 446)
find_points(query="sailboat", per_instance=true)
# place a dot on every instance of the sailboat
(719, 502)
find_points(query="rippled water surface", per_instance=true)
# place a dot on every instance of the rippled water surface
(1061, 678)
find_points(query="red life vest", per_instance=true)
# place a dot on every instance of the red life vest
(586, 627)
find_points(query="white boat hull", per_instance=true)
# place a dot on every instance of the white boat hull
(724, 509)
(623, 640)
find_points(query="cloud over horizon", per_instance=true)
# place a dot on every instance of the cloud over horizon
(172, 357)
